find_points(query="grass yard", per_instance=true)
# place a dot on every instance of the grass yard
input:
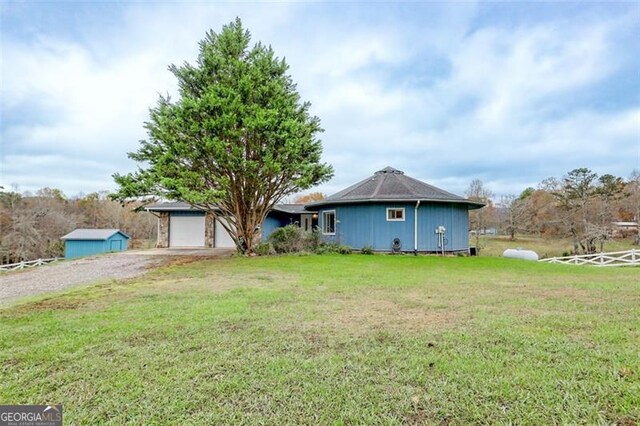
(545, 247)
(335, 340)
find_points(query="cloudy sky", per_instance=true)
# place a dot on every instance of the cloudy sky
(509, 93)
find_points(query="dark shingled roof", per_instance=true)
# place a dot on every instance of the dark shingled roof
(291, 208)
(390, 184)
(181, 206)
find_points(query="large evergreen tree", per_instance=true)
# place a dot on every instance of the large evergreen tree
(236, 141)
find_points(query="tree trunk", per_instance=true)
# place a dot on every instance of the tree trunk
(637, 239)
(576, 243)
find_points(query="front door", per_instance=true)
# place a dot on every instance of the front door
(307, 222)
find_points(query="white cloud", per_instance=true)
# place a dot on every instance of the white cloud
(500, 107)
(490, 117)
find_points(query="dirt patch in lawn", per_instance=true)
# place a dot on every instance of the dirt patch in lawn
(374, 312)
(386, 314)
(569, 293)
(52, 304)
(218, 282)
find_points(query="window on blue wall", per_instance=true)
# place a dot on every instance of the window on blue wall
(395, 214)
(329, 222)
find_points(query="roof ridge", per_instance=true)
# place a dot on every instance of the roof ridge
(380, 182)
(403, 183)
(349, 189)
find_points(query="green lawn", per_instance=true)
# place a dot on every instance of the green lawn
(335, 340)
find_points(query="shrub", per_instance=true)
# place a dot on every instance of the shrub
(265, 248)
(313, 240)
(345, 249)
(366, 250)
(292, 239)
(327, 248)
(288, 239)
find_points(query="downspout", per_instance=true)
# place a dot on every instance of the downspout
(415, 229)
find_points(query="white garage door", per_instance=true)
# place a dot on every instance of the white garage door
(223, 239)
(186, 231)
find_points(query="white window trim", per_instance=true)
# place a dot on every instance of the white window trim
(324, 219)
(396, 220)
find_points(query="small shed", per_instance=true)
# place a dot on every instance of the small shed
(86, 242)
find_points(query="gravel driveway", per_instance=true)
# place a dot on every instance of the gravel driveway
(63, 275)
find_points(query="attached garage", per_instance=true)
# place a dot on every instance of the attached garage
(181, 225)
(222, 237)
(186, 229)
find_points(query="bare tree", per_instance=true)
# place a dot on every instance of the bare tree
(515, 214)
(632, 203)
(479, 219)
(31, 225)
(608, 191)
(310, 197)
(573, 196)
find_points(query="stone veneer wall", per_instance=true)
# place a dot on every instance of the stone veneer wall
(209, 230)
(163, 230)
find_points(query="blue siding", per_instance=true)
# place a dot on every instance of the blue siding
(360, 225)
(277, 220)
(270, 224)
(117, 242)
(79, 248)
(454, 217)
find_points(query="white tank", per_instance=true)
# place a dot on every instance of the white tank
(520, 254)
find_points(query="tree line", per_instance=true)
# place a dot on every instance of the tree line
(31, 224)
(581, 205)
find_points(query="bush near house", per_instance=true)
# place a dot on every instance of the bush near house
(292, 239)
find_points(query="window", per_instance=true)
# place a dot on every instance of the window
(395, 215)
(329, 222)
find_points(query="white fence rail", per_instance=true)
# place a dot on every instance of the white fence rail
(29, 264)
(616, 258)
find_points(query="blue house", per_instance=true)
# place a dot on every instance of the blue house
(388, 211)
(86, 242)
(391, 211)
